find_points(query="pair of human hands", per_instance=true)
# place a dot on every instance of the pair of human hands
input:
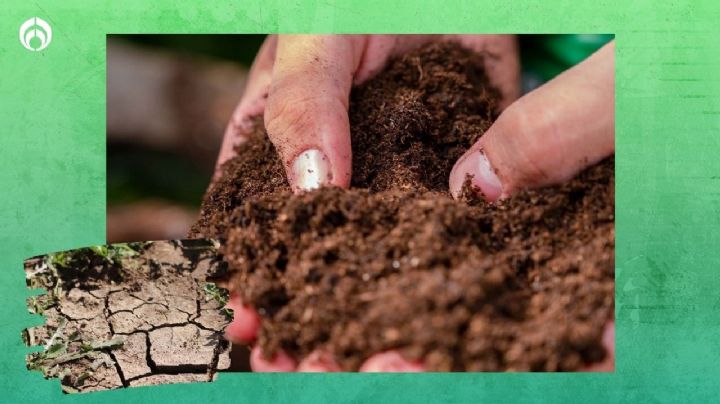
(301, 85)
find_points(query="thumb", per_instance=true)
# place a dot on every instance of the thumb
(306, 112)
(547, 136)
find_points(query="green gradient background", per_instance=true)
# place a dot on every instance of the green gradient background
(52, 185)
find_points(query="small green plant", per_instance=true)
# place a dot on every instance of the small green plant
(103, 261)
(221, 295)
(60, 349)
(38, 304)
(114, 253)
(60, 259)
(111, 254)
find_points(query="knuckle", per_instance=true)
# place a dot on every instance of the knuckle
(529, 136)
(288, 116)
(293, 111)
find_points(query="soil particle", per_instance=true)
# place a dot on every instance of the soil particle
(188, 338)
(395, 262)
(127, 315)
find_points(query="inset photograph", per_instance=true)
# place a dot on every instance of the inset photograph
(379, 202)
(128, 314)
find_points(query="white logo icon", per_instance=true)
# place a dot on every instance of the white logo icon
(35, 34)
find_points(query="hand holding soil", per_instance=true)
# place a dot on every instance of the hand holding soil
(301, 86)
(522, 264)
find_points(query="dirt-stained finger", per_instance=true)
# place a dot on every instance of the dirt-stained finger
(281, 362)
(307, 109)
(547, 136)
(318, 361)
(390, 361)
(245, 324)
(608, 341)
(252, 103)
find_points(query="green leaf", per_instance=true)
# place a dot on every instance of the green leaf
(82, 377)
(109, 344)
(55, 350)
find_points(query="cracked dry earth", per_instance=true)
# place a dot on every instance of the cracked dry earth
(128, 315)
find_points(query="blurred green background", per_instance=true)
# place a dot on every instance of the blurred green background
(136, 172)
(168, 99)
(237, 48)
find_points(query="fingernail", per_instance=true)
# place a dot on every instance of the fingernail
(311, 170)
(481, 174)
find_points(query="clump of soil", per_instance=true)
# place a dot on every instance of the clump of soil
(395, 262)
(128, 315)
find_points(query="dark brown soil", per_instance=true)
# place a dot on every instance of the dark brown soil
(395, 262)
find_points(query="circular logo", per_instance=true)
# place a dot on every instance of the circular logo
(35, 34)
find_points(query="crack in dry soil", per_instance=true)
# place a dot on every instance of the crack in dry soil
(149, 321)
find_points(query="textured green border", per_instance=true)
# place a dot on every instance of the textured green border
(52, 184)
